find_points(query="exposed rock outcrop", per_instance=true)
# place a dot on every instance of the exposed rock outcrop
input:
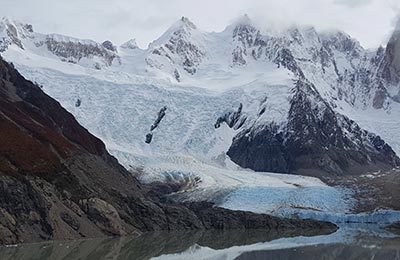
(391, 65)
(73, 50)
(315, 141)
(68, 49)
(233, 119)
(109, 46)
(160, 116)
(177, 49)
(131, 44)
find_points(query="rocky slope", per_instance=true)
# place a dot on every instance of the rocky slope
(315, 141)
(57, 181)
(389, 70)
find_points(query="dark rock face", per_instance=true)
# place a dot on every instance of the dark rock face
(286, 59)
(78, 102)
(315, 141)
(149, 138)
(57, 181)
(390, 70)
(161, 114)
(233, 119)
(109, 46)
(380, 97)
(73, 52)
(245, 37)
(260, 151)
(177, 75)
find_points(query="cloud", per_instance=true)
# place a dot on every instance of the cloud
(353, 3)
(370, 21)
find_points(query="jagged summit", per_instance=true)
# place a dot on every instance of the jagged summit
(9, 21)
(182, 25)
(15, 27)
(184, 21)
(12, 32)
(131, 44)
(68, 49)
(240, 22)
(184, 49)
(183, 28)
(181, 47)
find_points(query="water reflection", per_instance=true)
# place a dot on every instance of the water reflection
(143, 247)
(381, 249)
(243, 245)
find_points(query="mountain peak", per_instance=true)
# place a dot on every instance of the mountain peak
(21, 27)
(243, 20)
(11, 32)
(131, 44)
(185, 23)
(6, 20)
(181, 28)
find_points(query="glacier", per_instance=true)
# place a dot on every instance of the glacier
(120, 100)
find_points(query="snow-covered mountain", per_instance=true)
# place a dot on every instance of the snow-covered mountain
(198, 108)
(180, 47)
(301, 94)
(64, 48)
(195, 103)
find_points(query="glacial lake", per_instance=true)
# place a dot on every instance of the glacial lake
(350, 242)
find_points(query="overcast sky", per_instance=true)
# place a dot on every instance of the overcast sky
(370, 21)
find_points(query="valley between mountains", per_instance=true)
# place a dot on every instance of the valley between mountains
(293, 123)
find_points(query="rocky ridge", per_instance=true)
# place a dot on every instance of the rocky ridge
(332, 74)
(67, 49)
